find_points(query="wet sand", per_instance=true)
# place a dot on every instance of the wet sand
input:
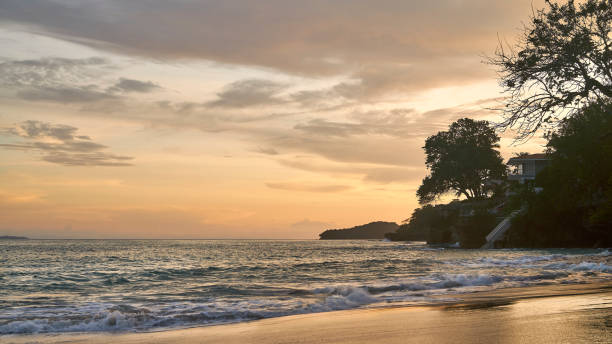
(545, 314)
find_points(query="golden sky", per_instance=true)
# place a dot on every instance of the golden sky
(233, 119)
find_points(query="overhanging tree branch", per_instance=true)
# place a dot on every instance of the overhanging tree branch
(561, 63)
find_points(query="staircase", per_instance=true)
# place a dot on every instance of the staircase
(500, 230)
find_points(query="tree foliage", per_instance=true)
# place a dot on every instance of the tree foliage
(581, 162)
(461, 160)
(575, 206)
(464, 221)
(562, 62)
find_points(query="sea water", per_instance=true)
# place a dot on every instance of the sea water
(58, 286)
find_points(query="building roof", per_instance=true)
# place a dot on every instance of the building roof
(527, 157)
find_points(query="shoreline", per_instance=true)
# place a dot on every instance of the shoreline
(545, 307)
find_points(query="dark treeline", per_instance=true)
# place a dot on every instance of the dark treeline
(569, 204)
(574, 208)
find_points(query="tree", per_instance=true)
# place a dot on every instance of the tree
(562, 62)
(574, 208)
(461, 160)
(580, 152)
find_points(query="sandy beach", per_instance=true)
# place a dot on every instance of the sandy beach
(543, 314)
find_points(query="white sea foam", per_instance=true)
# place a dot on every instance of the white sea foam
(220, 282)
(348, 299)
(110, 321)
(588, 266)
(505, 261)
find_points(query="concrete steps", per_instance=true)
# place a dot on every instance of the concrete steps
(500, 230)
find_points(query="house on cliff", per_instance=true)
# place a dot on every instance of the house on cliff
(525, 167)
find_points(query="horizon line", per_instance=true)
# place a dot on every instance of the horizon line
(28, 238)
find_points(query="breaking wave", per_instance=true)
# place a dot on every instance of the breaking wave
(106, 286)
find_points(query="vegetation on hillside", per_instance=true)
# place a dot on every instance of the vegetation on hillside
(465, 222)
(574, 208)
(373, 230)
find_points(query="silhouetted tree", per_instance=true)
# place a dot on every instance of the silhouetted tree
(461, 160)
(575, 206)
(562, 62)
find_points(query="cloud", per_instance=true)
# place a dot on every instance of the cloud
(87, 159)
(67, 81)
(372, 81)
(396, 45)
(377, 146)
(389, 138)
(397, 122)
(354, 149)
(267, 151)
(50, 71)
(130, 85)
(64, 94)
(317, 98)
(371, 173)
(247, 93)
(296, 186)
(59, 80)
(349, 133)
(400, 123)
(387, 175)
(36, 129)
(59, 144)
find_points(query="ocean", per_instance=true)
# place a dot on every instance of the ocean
(59, 286)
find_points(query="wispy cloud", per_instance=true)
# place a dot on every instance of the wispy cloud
(67, 81)
(307, 187)
(131, 85)
(50, 71)
(60, 144)
(85, 94)
(249, 93)
(267, 151)
(371, 173)
(87, 159)
(397, 122)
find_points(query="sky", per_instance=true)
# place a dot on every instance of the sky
(234, 119)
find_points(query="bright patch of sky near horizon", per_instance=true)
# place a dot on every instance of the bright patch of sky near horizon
(229, 119)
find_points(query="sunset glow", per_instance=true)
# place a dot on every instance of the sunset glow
(228, 119)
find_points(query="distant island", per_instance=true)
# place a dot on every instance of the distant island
(372, 230)
(12, 237)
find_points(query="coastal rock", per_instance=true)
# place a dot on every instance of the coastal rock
(372, 230)
(12, 237)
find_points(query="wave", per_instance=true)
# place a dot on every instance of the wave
(100, 317)
(588, 266)
(127, 318)
(172, 285)
(104, 317)
(560, 262)
(505, 261)
(124, 317)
